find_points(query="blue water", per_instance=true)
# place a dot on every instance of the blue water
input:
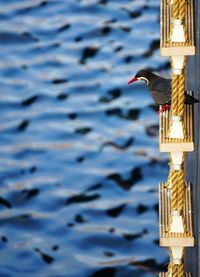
(79, 159)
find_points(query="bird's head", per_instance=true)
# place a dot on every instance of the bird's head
(143, 75)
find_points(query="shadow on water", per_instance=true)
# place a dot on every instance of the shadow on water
(79, 164)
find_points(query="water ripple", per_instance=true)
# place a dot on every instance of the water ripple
(79, 164)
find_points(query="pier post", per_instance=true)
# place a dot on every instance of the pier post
(193, 160)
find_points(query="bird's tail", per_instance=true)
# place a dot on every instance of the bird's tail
(189, 99)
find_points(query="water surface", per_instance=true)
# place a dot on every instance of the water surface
(79, 164)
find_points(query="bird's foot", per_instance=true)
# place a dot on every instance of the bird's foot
(164, 108)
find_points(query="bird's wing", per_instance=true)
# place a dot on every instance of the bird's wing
(162, 85)
(161, 90)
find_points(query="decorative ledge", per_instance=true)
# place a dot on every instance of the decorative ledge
(177, 145)
(167, 238)
(168, 48)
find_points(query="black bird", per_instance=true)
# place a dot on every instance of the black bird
(159, 87)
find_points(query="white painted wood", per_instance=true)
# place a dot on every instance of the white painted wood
(176, 130)
(177, 254)
(177, 223)
(177, 158)
(178, 64)
(177, 31)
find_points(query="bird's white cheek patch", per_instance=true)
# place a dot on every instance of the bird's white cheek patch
(144, 79)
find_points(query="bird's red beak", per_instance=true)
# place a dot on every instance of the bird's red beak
(134, 79)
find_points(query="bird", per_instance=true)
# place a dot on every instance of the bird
(160, 88)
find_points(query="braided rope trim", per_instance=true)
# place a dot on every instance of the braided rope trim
(179, 12)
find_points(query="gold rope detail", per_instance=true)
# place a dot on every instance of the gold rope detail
(175, 90)
(176, 183)
(178, 190)
(176, 270)
(181, 95)
(178, 95)
(179, 9)
(176, 180)
(179, 12)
